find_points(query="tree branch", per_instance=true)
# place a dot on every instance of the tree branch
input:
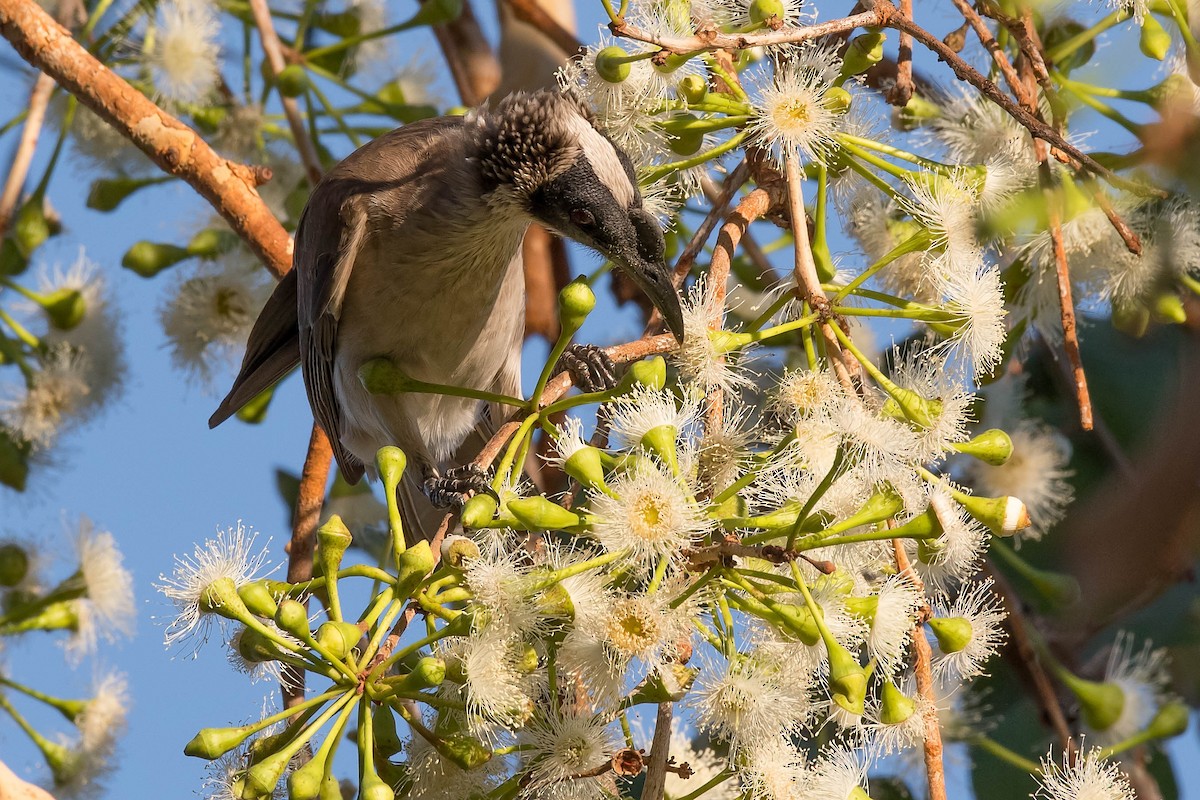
(39, 99)
(710, 39)
(176, 148)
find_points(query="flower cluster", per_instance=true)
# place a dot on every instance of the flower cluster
(94, 602)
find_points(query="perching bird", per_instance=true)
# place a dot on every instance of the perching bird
(410, 249)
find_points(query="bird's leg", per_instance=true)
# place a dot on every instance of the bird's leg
(455, 487)
(589, 366)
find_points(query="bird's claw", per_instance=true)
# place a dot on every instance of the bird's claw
(457, 486)
(589, 366)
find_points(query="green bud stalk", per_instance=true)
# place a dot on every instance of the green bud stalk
(333, 539)
(338, 638)
(391, 461)
(659, 441)
(1100, 702)
(1170, 721)
(586, 465)
(864, 52)
(150, 258)
(258, 599)
(847, 679)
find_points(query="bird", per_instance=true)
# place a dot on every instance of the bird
(410, 250)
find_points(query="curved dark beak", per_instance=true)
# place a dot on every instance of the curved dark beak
(643, 261)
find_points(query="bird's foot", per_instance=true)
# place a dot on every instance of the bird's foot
(589, 366)
(457, 486)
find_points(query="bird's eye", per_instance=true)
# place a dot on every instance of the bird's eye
(583, 218)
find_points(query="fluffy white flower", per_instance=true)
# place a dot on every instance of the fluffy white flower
(1090, 777)
(56, 396)
(650, 515)
(185, 50)
(108, 588)
(792, 112)
(896, 605)
(633, 415)
(231, 556)
(947, 406)
(839, 774)
(699, 359)
(705, 765)
(774, 770)
(974, 298)
(103, 719)
(561, 747)
(1036, 472)
(751, 700)
(968, 631)
(955, 555)
(1142, 678)
(210, 315)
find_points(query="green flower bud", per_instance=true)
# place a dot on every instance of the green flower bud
(665, 63)
(426, 673)
(993, 446)
(763, 10)
(1168, 307)
(212, 743)
(918, 112)
(14, 462)
(14, 564)
(383, 728)
(1100, 702)
(659, 441)
(884, 504)
(305, 783)
(258, 599)
(575, 302)
(66, 308)
(649, 372)
(864, 52)
(292, 81)
(212, 242)
(339, 638)
(586, 465)
(150, 258)
(527, 664)
(799, 622)
(255, 647)
(895, 707)
(907, 405)
(1131, 319)
(391, 461)
(953, 633)
(1057, 588)
(31, 227)
(333, 539)
(331, 788)
(847, 679)
(1170, 721)
(1154, 41)
(292, 617)
(262, 778)
(554, 603)
(209, 118)
(693, 88)
(685, 141)
(1003, 516)
(539, 514)
(372, 787)
(457, 551)
(414, 564)
(221, 597)
(612, 64)
(837, 99)
(478, 511)
(108, 193)
(465, 751)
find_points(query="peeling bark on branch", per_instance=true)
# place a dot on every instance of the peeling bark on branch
(176, 148)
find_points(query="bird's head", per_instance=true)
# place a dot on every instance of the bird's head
(542, 153)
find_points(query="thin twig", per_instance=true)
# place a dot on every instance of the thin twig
(35, 115)
(1066, 303)
(709, 39)
(472, 63)
(893, 19)
(314, 477)
(984, 34)
(902, 90)
(227, 185)
(291, 109)
(808, 283)
(531, 13)
(656, 761)
(935, 767)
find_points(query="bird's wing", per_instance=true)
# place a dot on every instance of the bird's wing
(272, 350)
(328, 242)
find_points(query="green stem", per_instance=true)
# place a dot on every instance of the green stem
(1004, 754)
(661, 171)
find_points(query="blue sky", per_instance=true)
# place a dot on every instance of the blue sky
(150, 471)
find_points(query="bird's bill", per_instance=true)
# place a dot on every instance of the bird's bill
(655, 279)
